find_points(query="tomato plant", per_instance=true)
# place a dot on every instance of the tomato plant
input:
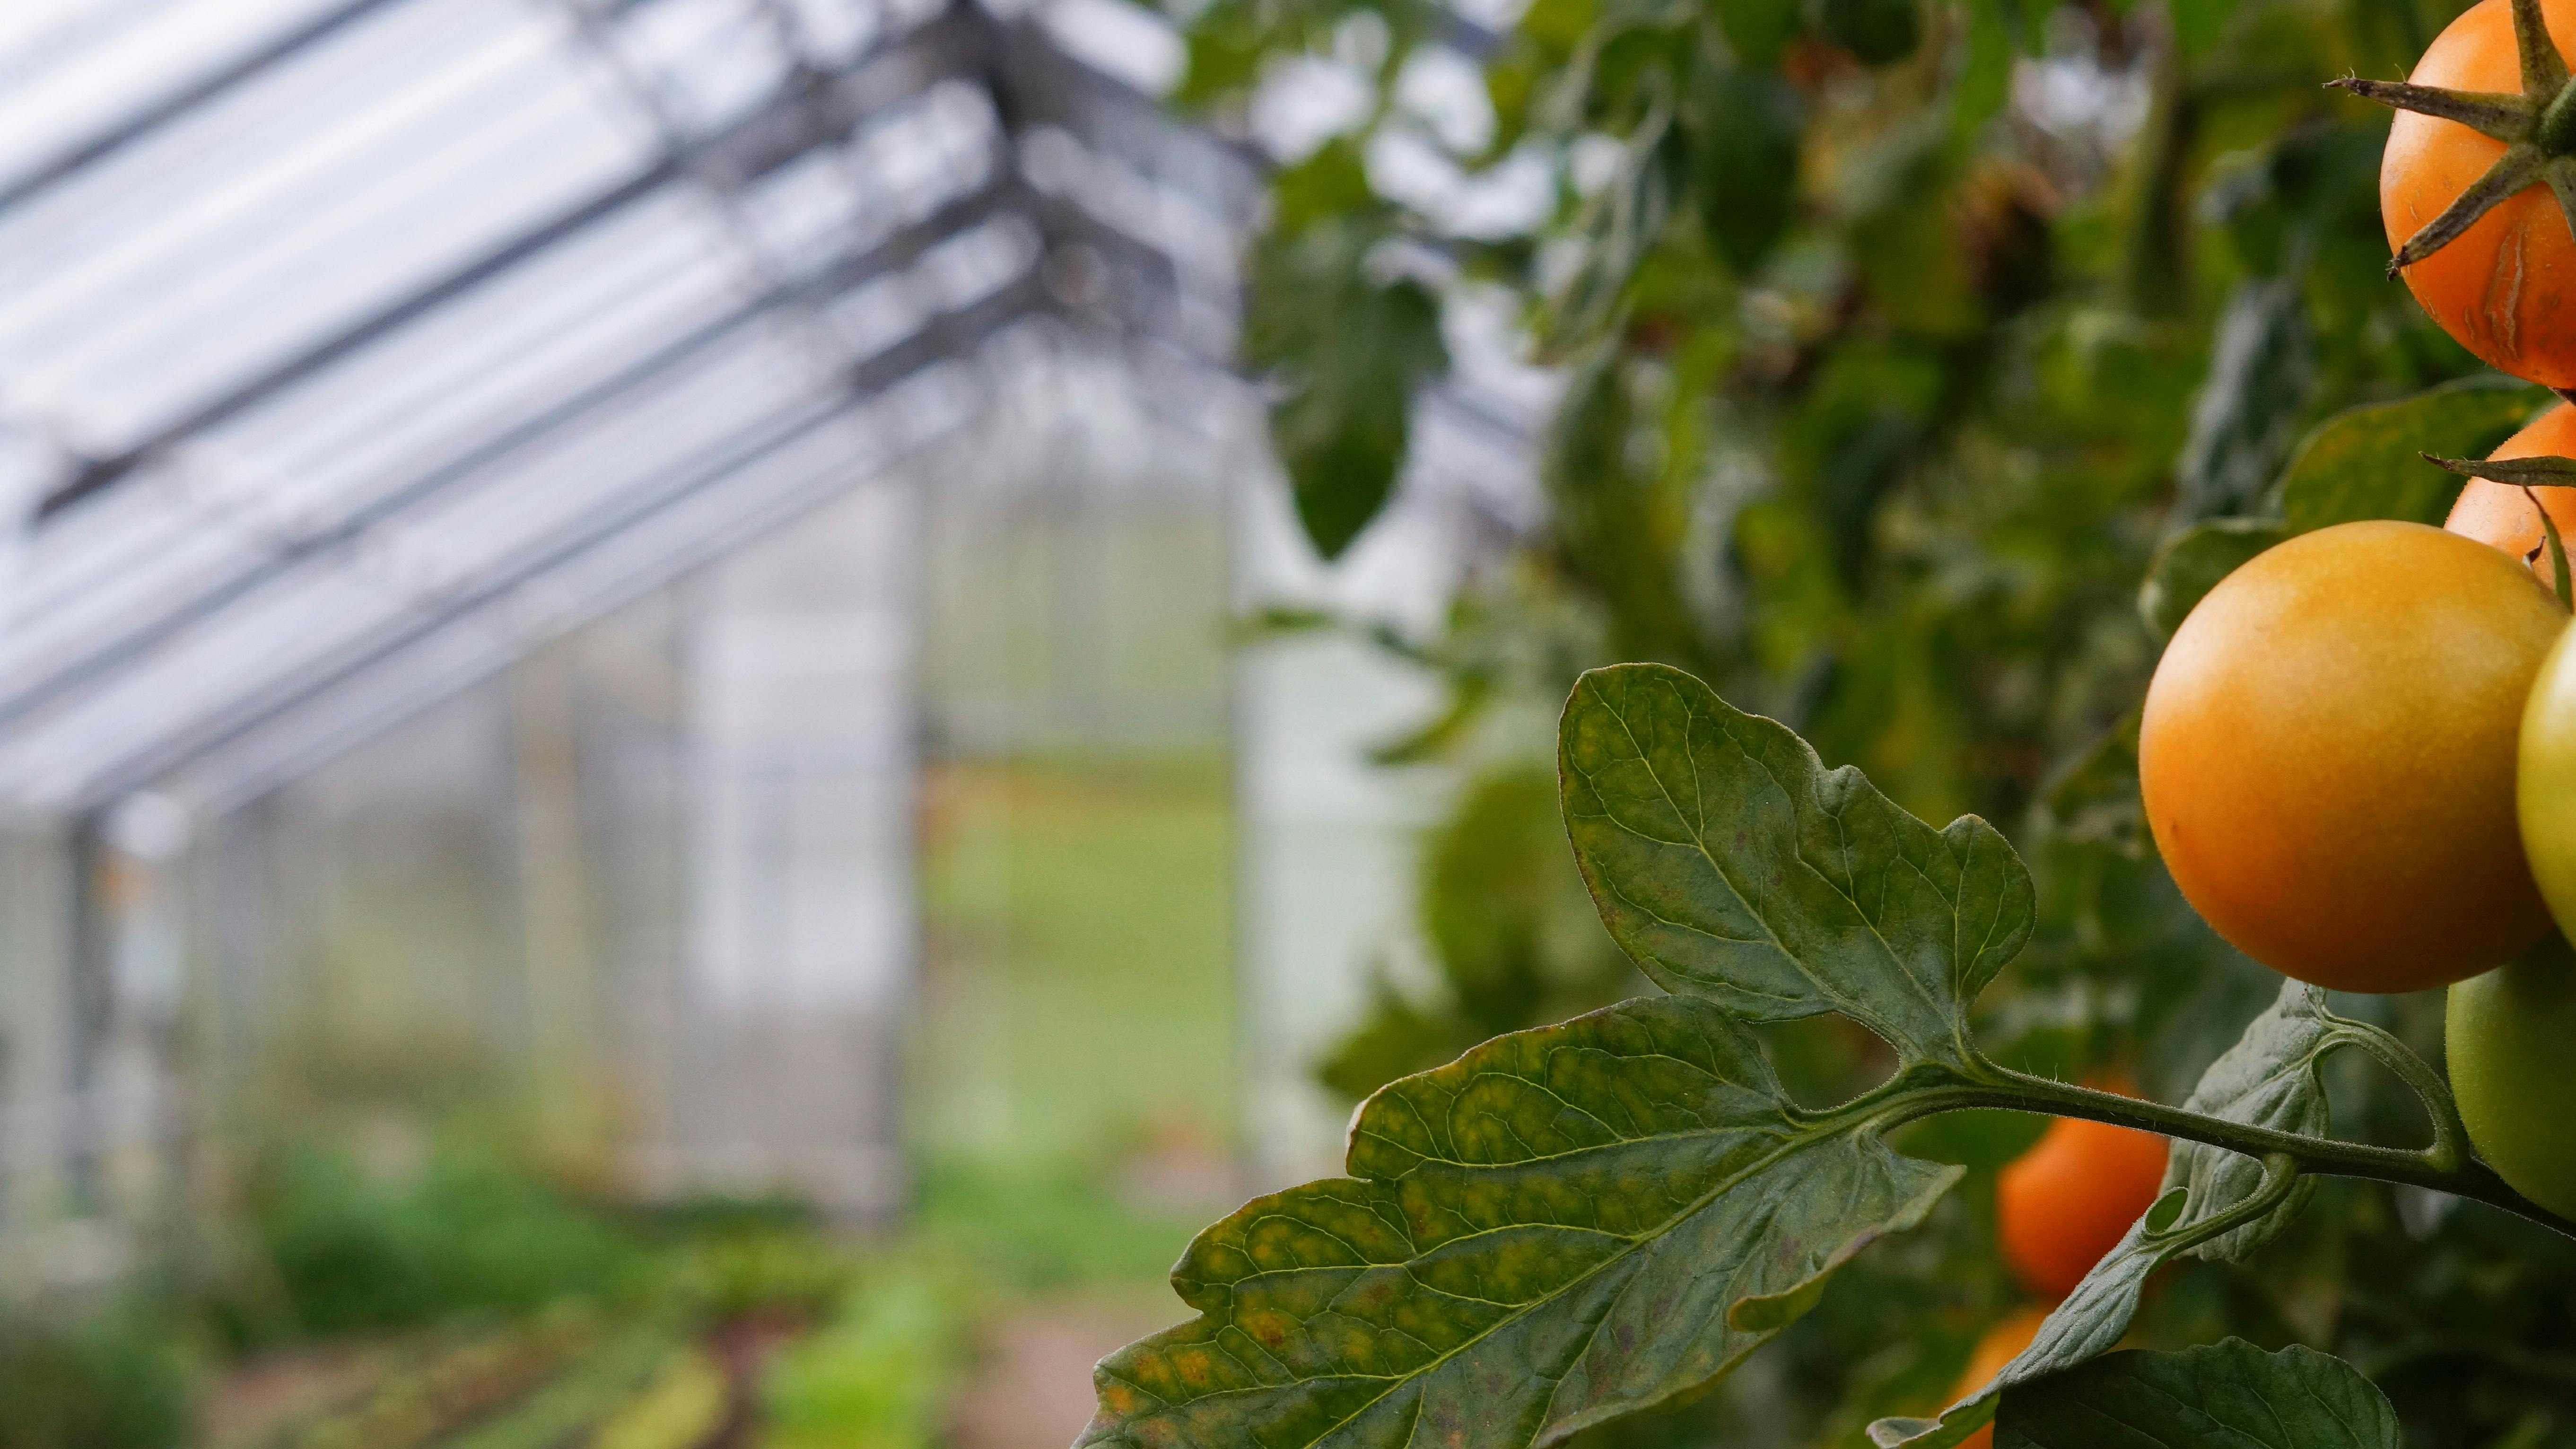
(1919, 393)
(1576, 1223)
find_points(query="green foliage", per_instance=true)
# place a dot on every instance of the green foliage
(2228, 1395)
(1730, 863)
(2364, 462)
(1562, 1227)
(876, 1375)
(590, 1390)
(108, 1382)
(1744, 123)
(1877, 32)
(1573, 1225)
(2192, 562)
(1509, 927)
(347, 1249)
(2367, 461)
(1348, 363)
(1038, 1227)
(1892, 470)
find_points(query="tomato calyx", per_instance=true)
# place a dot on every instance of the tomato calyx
(2538, 128)
(2527, 474)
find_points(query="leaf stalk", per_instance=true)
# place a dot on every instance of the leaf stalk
(2443, 1166)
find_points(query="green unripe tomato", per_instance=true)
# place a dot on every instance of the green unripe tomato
(2545, 781)
(2507, 1034)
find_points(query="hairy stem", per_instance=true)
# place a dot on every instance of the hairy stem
(2444, 1166)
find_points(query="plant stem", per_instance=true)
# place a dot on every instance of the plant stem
(2442, 1167)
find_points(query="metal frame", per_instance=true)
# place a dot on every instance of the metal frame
(246, 737)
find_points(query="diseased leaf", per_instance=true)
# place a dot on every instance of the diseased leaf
(1731, 864)
(2271, 1078)
(2367, 462)
(1560, 1228)
(2191, 563)
(2242, 423)
(2228, 1395)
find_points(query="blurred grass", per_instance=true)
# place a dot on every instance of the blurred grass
(1079, 987)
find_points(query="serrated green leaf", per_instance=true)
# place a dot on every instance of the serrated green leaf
(1562, 1227)
(2215, 1204)
(1731, 864)
(2189, 564)
(2367, 462)
(2273, 1077)
(2228, 1395)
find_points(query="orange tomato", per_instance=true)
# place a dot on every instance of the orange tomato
(2327, 756)
(2001, 1345)
(2506, 287)
(2502, 515)
(2068, 1200)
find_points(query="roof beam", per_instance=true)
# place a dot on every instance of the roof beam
(141, 636)
(967, 328)
(801, 116)
(136, 125)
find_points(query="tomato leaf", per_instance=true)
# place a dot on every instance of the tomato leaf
(2228, 1395)
(2260, 371)
(1876, 32)
(2366, 462)
(2273, 1077)
(1620, 225)
(2216, 1204)
(2189, 564)
(1562, 1227)
(2093, 799)
(1348, 350)
(1729, 863)
(1744, 124)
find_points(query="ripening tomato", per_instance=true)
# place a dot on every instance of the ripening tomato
(2506, 1035)
(2327, 756)
(2001, 1345)
(2506, 287)
(2545, 781)
(2502, 515)
(2068, 1200)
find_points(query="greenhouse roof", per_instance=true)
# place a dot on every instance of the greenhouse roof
(354, 347)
